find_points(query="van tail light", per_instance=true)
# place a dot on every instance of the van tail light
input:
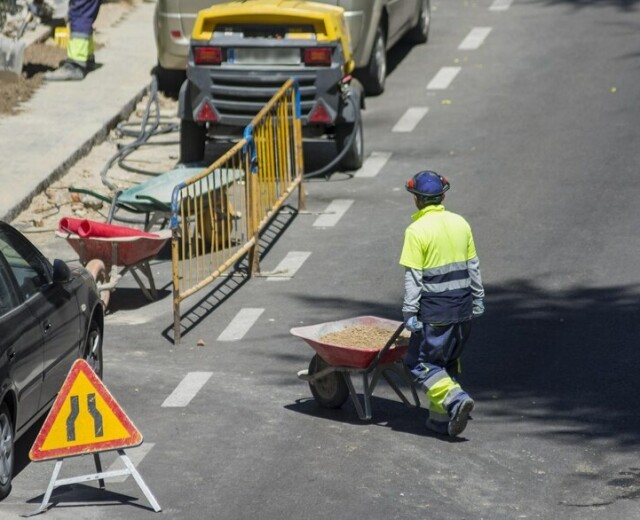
(207, 55)
(206, 113)
(318, 56)
(320, 114)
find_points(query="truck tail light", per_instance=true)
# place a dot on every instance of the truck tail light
(320, 114)
(318, 56)
(206, 113)
(207, 55)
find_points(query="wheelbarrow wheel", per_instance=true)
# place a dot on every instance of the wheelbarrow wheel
(330, 391)
(98, 271)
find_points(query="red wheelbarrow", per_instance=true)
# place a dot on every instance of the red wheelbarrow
(330, 370)
(109, 252)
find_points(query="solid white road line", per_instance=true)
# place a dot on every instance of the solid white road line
(135, 456)
(474, 39)
(443, 78)
(373, 164)
(410, 119)
(187, 389)
(333, 213)
(240, 325)
(500, 5)
(289, 265)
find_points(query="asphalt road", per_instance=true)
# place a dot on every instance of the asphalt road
(537, 132)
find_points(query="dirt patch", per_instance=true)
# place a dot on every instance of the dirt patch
(363, 337)
(15, 90)
(41, 57)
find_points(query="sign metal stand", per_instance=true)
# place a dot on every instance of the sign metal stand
(99, 476)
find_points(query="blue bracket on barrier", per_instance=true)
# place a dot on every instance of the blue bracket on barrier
(175, 205)
(248, 136)
(296, 88)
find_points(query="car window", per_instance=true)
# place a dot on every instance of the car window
(25, 264)
(8, 299)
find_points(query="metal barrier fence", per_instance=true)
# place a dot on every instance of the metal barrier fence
(217, 215)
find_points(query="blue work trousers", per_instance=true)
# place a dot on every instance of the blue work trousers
(438, 347)
(82, 15)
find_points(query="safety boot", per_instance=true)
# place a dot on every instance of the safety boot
(459, 415)
(91, 63)
(68, 72)
(439, 427)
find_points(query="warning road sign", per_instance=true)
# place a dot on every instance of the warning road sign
(84, 418)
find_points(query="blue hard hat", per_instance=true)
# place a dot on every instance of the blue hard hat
(427, 184)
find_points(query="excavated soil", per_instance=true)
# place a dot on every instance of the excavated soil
(15, 90)
(363, 337)
(41, 57)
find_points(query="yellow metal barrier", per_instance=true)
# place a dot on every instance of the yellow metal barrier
(218, 215)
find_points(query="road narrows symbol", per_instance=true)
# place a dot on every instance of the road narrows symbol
(97, 416)
(71, 420)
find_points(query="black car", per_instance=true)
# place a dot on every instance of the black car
(50, 315)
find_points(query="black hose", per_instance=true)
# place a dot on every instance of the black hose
(147, 130)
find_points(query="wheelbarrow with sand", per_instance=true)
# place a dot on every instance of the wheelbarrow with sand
(365, 346)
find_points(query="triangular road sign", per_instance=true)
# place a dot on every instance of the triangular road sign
(84, 418)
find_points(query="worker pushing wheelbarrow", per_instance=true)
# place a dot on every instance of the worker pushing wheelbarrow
(367, 346)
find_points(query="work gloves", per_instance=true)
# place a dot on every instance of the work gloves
(478, 307)
(412, 324)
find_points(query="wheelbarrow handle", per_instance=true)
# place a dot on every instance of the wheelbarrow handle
(387, 346)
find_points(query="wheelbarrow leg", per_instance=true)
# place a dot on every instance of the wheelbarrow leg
(151, 294)
(365, 414)
(402, 373)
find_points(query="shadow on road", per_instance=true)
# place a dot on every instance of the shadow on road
(624, 5)
(567, 360)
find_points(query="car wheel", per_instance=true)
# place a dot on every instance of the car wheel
(93, 348)
(169, 80)
(7, 451)
(99, 273)
(375, 74)
(354, 156)
(330, 391)
(420, 33)
(193, 138)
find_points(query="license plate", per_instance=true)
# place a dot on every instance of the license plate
(264, 56)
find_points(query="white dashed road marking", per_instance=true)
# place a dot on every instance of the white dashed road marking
(187, 389)
(240, 325)
(443, 78)
(475, 38)
(410, 119)
(500, 5)
(135, 456)
(289, 265)
(373, 164)
(333, 213)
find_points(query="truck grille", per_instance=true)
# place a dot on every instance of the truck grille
(243, 94)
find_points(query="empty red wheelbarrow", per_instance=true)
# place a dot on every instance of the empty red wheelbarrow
(109, 251)
(330, 370)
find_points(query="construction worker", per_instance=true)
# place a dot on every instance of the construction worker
(443, 292)
(82, 15)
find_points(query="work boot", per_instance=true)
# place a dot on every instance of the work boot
(68, 72)
(436, 426)
(91, 63)
(459, 415)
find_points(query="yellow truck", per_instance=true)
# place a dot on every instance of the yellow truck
(242, 52)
